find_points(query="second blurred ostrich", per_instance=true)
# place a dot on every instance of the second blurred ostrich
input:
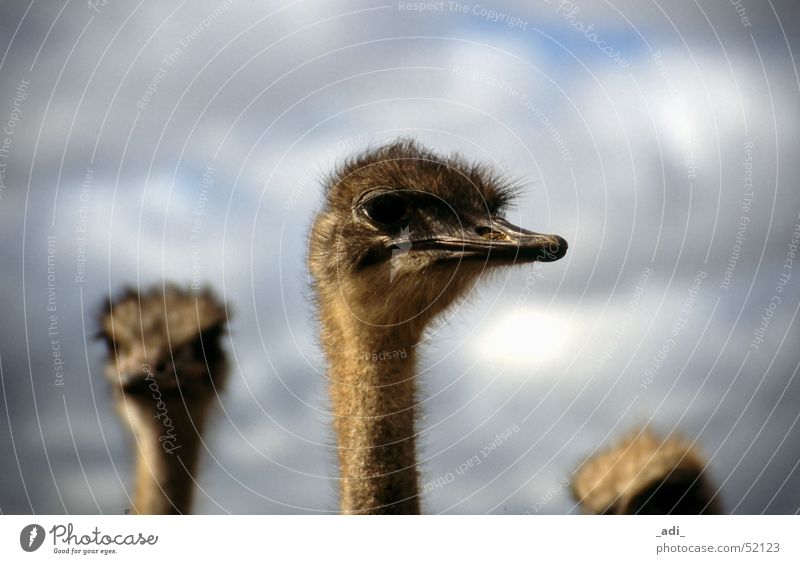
(166, 365)
(646, 475)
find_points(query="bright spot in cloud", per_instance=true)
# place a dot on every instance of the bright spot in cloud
(525, 337)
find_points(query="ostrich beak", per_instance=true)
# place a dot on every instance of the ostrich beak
(492, 240)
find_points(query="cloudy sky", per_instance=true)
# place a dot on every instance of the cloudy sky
(659, 138)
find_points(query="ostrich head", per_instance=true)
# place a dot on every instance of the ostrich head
(646, 475)
(404, 232)
(167, 334)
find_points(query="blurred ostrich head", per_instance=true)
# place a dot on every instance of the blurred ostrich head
(172, 333)
(645, 474)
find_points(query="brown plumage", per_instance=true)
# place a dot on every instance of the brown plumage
(646, 474)
(166, 365)
(403, 233)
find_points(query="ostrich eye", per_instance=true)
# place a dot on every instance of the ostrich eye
(386, 209)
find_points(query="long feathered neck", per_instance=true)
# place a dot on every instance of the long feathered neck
(372, 388)
(167, 433)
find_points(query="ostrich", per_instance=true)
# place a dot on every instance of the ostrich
(403, 233)
(646, 475)
(166, 365)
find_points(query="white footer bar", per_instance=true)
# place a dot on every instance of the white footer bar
(386, 540)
